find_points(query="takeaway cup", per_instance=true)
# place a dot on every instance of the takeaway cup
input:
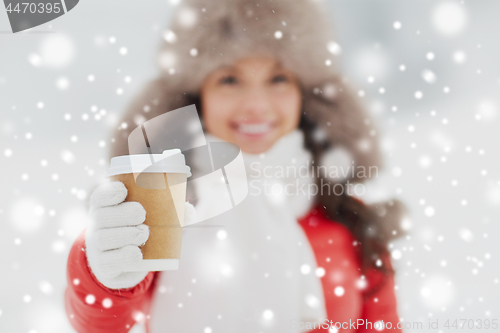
(158, 182)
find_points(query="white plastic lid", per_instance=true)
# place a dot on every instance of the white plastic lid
(152, 163)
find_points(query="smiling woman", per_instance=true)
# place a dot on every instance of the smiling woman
(252, 103)
(260, 76)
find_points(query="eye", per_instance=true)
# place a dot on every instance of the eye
(228, 79)
(280, 78)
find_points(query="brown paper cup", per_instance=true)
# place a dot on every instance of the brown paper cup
(163, 196)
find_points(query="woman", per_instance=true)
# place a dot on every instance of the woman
(261, 76)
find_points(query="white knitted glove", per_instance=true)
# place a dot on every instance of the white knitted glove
(116, 231)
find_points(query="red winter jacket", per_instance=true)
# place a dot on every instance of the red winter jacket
(116, 310)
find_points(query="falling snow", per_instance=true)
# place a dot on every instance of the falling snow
(436, 106)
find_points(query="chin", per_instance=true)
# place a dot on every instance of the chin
(253, 150)
(255, 147)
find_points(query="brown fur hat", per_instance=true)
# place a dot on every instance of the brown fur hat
(205, 34)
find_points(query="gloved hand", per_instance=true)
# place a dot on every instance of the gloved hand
(115, 234)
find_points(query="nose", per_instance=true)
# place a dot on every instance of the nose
(256, 102)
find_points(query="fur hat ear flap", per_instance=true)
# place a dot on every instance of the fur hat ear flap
(156, 98)
(392, 218)
(337, 112)
(337, 164)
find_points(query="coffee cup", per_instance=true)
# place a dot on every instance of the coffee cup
(158, 182)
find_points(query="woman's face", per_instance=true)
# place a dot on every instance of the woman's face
(252, 103)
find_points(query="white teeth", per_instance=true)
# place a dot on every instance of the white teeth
(254, 128)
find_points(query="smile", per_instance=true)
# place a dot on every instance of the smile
(254, 129)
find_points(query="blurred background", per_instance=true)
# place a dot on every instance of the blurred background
(428, 71)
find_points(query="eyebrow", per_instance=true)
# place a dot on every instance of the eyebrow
(277, 66)
(228, 67)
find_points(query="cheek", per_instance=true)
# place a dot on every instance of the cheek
(290, 108)
(216, 112)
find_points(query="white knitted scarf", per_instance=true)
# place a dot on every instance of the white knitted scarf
(252, 268)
